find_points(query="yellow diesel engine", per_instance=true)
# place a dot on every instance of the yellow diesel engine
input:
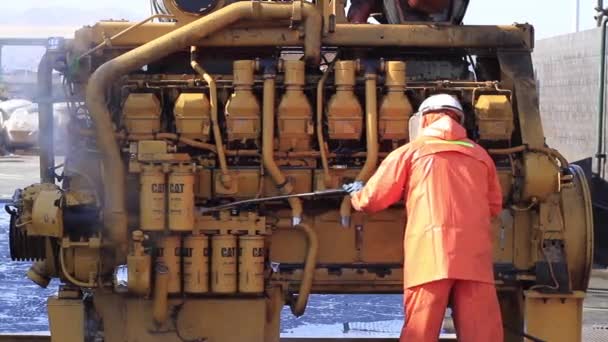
(217, 101)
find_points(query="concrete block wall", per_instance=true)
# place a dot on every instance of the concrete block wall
(567, 73)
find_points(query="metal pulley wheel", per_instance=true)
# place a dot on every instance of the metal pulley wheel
(578, 227)
(22, 247)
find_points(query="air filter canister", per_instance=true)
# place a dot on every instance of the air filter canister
(223, 264)
(196, 264)
(169, 253)
(251, 263)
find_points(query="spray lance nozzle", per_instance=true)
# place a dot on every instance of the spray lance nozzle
(315, 194)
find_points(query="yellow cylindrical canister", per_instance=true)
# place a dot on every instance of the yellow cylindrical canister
(395, 108)
(160, 305)
(251, 264)
(181, 198)
(294, 113)
(139, 268)
(242, 111)
(243, 72)
(169, 253)
(223, 264)
(345, 73)
(344, 111)
(295, 72)
(152, 198)
(196, 264)
(395, 74)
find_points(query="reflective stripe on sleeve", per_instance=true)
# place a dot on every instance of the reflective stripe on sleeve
(450, 142)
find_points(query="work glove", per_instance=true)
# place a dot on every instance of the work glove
(353, 187)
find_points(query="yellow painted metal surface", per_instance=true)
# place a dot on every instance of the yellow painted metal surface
(181, 198)
(503, 229)
(47, 215)
(139, 267)
(160, 306)
(575, 203)
(196, 254)
(251, 256)
(344, 111)
(294, 113)
(142, 113)
(192, 116)
(541, 176)
(344, 34)
(395, 108)
(243, 108)
(66, 319)
(169, 252)
(565, 310)
(494, 115)
(151, 150)
(86, 263)
(224, 264)
(152, 198)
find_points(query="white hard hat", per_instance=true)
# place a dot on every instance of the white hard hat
(441, 102)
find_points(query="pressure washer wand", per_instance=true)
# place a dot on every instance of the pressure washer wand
(322, 193)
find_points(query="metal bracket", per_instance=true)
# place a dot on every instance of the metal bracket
(358, 237)
(552, 273)
(256, 8)
(296, 14)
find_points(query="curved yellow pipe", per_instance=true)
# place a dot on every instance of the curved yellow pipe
(160, 306)
(270, 165)
(320, 138)
(115, 216)
(507, 151)
(67, 274)
(552, 153)
(298, 303)
(217, 135)
(522, 148)
(371, 134)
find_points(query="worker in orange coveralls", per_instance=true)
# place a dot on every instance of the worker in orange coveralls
(451, 193)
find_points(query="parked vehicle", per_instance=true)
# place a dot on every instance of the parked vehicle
(19, 124)
(7, 108)
(21, 128)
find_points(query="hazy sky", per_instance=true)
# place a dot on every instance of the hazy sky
(550, 17)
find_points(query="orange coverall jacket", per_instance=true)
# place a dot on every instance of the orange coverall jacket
(451, 193)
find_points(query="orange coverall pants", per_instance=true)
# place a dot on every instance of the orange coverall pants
(475, 311)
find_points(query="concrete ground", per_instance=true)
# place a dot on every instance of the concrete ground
(20, 171)
(17, 172)
(595, 307)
